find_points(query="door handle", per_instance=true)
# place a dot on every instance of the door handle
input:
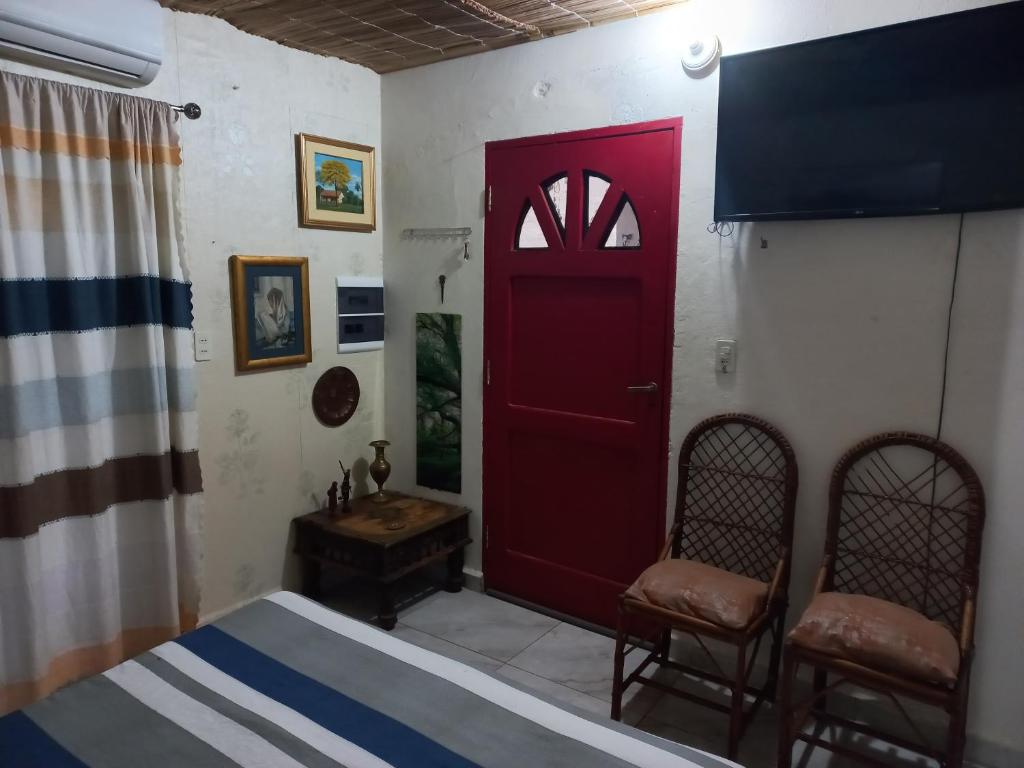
(651, 387)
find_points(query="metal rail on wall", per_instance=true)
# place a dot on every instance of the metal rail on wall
(441, 233)
(438, 232)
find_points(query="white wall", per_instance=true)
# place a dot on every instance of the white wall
(264, 455)
(840, 324)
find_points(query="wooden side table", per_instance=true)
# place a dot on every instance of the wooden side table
(383, 541)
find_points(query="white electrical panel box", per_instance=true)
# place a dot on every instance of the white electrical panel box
(360, 313)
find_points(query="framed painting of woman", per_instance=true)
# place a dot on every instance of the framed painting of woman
(270, 311)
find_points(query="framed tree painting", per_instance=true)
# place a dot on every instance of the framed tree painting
(439, 401)
(270, 311)
(337, 187)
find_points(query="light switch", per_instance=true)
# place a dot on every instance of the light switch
(725, 355)
(202, 345)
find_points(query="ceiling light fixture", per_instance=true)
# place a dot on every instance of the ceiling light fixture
(701, 53)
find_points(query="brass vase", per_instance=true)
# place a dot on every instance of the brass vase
(380, 469)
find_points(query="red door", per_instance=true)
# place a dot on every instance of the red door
(580, 278)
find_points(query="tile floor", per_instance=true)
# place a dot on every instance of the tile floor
(573, 666)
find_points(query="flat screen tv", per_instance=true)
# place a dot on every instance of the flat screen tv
(915, 118)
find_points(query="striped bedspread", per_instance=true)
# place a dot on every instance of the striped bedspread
(286, 683)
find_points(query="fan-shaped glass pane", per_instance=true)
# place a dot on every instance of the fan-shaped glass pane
(530, 235)
(625, 232)
(597, 187)
(557, 191)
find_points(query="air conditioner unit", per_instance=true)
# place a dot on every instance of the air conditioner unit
(115, 41)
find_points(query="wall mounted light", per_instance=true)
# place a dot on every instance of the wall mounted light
(701, 54)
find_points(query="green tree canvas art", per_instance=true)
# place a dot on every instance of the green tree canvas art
(338, 184)
(439, 401)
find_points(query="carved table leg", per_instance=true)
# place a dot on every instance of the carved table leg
(455, 579)
(311, 578)
(387, 617)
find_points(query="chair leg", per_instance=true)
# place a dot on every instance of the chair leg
(771, 684)
(820, 684)
(665, 646)
(736, 711)
(955, 742)
(785, 710)
(956, 736)
(619, 663)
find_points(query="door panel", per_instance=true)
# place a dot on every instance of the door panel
(580, 271)
(539, 525)
(567, 325)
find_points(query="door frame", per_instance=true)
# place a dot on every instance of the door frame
(674, 124)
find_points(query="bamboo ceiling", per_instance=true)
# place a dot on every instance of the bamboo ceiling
(389, 36)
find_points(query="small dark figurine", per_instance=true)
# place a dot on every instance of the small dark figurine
(346, 488)
(332, 499)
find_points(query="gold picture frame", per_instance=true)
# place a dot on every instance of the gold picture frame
(337, 184)
(270, 311)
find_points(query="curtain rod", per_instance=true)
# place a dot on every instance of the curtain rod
(191, 110)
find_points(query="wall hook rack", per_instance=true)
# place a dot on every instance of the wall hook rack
(442, 233)
(439, 232)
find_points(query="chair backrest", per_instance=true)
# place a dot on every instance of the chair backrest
(737, 492)
(906, 513)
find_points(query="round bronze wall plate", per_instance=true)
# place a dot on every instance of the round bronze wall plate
(335, 396)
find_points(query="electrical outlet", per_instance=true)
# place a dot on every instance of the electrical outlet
(202, 345)
(725, 355)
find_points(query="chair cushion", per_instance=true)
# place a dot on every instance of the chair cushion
(879, 634)
(700, 590)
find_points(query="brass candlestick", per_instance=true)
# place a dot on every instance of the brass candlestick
(380, 469)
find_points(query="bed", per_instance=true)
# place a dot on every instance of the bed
(286, 683)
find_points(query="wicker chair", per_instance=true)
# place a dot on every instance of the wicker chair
(893, 609)
(724, 570)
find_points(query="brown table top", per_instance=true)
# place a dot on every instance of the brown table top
(368, 519)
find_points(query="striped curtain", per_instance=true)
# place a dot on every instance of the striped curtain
(99, 474)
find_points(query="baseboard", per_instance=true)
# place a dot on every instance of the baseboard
(990, 754)
(474, 579)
